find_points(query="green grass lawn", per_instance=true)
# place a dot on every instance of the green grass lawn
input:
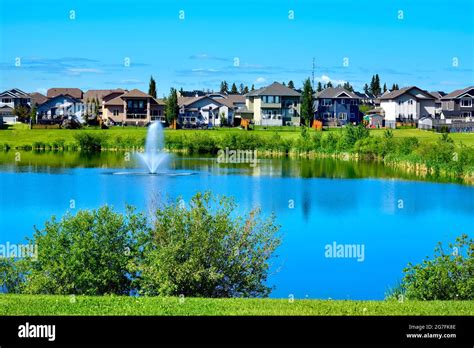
(19, 134)
(115, 305)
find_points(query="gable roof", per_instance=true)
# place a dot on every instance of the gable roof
(99, 94)
(457, 93)
(73, 92)
(136, 93)
(38, 98)
(438, 94)
(14, 93)
(337, 92)
(406, 90)
(275, 88)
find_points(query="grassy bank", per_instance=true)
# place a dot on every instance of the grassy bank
(113, 305)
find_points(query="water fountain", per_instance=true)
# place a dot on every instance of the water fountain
(153, 156)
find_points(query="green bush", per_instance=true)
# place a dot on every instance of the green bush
(449, 276)
(89, 141)
(85, 254)
(202, 251)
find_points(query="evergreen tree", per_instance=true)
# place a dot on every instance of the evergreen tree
(172, 107)
(233, 89)
(181, 91)
(394, 87)
(377, 85)
(307, 108)
(384, 87)
(366, 89)
(253, 88)
(246, 89)
(348, 86)
(283, 83)
(224, 87)
(241, 88)
(152, 87)
(320, 86)
(329, 85)
(291, 84)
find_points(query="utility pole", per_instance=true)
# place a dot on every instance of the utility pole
(313, 74)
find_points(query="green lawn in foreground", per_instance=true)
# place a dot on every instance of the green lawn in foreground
(20, 135)
(114, 305)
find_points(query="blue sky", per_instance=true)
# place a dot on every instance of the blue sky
(199, 51)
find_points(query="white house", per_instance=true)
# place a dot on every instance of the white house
(205, 111)
(407, 105)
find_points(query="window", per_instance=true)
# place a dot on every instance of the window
(343, 116)
(353, 101)
(466, 102)
(326, 115)
(6, 100)
(399, 102)
(466, 114)
(326, 102)
(130, 104)
(410, 102)
(343, 101)
(140, 104)
(116, 112)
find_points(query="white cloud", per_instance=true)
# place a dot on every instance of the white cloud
(78, 71)
(326, 79)
(42, 90)
(260, 80)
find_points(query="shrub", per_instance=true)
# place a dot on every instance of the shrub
(203, 251)
(85, 254)
(89, 141)
(449, 276)
(408, 145)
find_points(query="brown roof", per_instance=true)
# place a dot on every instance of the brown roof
(73, 92)
(457, 93)
(336, 92)
(136, 93)
(117, 101)
(275, 88)
(99, 94)
(38, 98)
(399, 92)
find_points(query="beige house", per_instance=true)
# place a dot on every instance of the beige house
(132, 108)
(274, 105)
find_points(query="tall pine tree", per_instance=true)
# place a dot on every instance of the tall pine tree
(307, 108)
(172, 107)
(233, 89)
(152, 87)
(224, 87)
(291, 84)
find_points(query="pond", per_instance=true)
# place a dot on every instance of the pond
(382, 219)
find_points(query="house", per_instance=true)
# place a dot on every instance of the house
(59, 108)
(365, 98)
(203, 111)
(457, 110)
(438, 103)
(336, 107)
(132, 108)
(407, 106)
(274, 105)
(93, 96)
(11, 99)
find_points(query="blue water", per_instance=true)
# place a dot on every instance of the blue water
(348, 211)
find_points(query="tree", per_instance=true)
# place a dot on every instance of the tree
(366, 89)
(329, 84)
(224, 87)
(307, 107)
(375, 85)
(204, 250)
(291, 84)
(394, 87)
(152, 87)
(253, 87)
(283, 83)
(233, 89)
(348, 86)
(172, 107)
(246, 89)
(241, 88)
(33, 112)
(384, 87)
(320, 86)
(22, 112)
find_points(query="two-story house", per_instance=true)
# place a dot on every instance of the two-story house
(132, 108)
(274, 105)
(11, 99)
(457, 110)
(407, 106)
(58, 108)
(336, 107)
